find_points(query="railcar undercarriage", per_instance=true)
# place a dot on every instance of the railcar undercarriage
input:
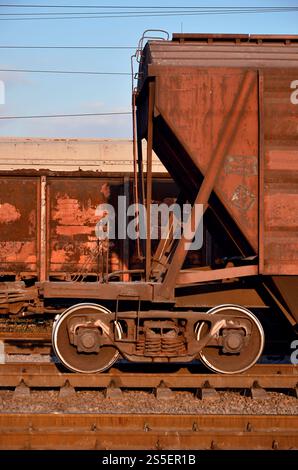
(89, 338)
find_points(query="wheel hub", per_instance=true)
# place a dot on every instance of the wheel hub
(88, 340)
(233, 341)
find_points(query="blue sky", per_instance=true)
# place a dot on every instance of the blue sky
(58, 94)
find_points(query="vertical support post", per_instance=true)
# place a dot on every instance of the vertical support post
(165, 246)
(149, 179)
(261, 170)
(207, 248)
(43, 229)
(125, 257)
(137, 158)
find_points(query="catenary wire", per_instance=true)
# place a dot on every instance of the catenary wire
(4, 46)
(142, 15)
(79, 72)
(34, 5)
(41, 116)
(154, 11)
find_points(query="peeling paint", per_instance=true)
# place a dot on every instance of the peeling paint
(8, 213)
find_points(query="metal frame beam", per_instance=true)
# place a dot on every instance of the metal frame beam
(149, 179)
(194, 276)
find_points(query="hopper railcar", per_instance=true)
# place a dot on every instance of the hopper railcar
(221, 113)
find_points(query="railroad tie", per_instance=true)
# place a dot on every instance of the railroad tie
(22, 390)
(207, 392)
(113, 391)
(257, 392)
(66, 391)
(163, 392)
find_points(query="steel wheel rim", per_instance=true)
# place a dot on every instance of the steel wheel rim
(256, 323)
(57, 329)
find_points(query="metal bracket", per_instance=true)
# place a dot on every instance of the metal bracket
(125, 340)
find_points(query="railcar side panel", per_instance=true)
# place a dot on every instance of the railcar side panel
(198, 104)
(73, 212)
(280, 173)
(19, 225)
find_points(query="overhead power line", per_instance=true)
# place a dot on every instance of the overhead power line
(113, 12)
(153, 13)
(153, 10)
(65, 47)
(34, 5)
(80, 72)
(42, 116)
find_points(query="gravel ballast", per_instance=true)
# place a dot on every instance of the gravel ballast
(146, 402)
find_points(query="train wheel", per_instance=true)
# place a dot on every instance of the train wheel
(70, 355)
(248, 352)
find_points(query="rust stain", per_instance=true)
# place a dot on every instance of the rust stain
(282, 210)
(243, 198)
(241, 165)
(8, 213)
(280, 174)
(73, 243)
(12, 251)
(71, 212)
(18, 219)
(197, 118)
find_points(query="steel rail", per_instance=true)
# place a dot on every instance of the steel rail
(62, 431)
(21, 342)
(25, 336)
(50, 375)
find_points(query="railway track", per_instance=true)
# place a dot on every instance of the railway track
(65, 430)
(148, 431)
(50, 375)
(26, 342)
(136, 376)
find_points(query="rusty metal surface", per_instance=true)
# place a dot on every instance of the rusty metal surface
(209, 50)
(280, 178)
(72, 221)
(279, 376)
(288, 288)
(236, 38)
(13, 349)
(16, 336)
(149, 181)
(13, 295)
(213, 36)
(234, 180)
(16, 342)
(51, 231)
(93, 290)
(146, 431)
(208, 296)
(207, 101)
(193, 276)
(199, 79)
(19, 222)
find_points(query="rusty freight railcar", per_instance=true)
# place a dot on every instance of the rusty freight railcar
(221, 113)
(49, 192)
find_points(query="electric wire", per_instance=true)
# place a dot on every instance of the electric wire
(42, 116)
(180, 11)
(79, 72)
